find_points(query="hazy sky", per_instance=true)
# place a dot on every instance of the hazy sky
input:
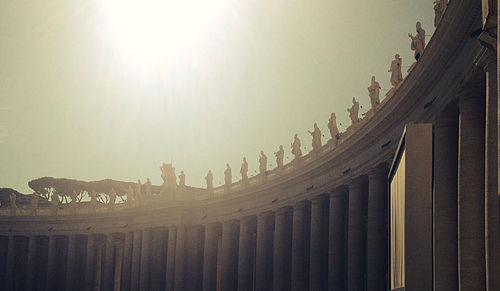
(108, 89)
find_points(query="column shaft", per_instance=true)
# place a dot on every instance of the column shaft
(246, 254)
(299, 250)
(118, 267)
(263, 260)
(127, 262)
(145, 245)
(70, 262)
(337, 241)
(376, 236)
(229, 263)
(11, 256)
(136, 261)
(212, 232)
(445, 201)
(471, 191)
(30, 272)
(109, 256)
(179, 274)
(319, 244)
(169, 276)
(356, 237)
(90, 263)
(51, 264)
(282, 249)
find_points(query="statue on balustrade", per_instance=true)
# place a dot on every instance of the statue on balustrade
(396, 76)
(73, 198)
(112, 197)
(373, 92)
(182, 180)
(93, 198)
(353, 111)
(280, 155)
(228, 177)
(210, 180)
(13, 200)
(244, 172)
(418, 41)
(332, 126)
(55, 200)
(438, 12)
(296, 147)
(138, 192)
(147, 187)
(262, 163)
(130, 195)
(316, 137)
(169, 178)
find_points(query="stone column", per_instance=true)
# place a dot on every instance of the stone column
(264, 256)
(445, 200)
(319, 244)
(109, 256)
(179, 274)
(246, 254)
(136, 261)
(9, 266)
(212, 231)
(282, 249)
(471, 257)
(70, 262)
(145, 245)
(491, 176)
(194, 260)
(51, 264)
(118, 267)
(127, 262)
(356, 236)
(299, 247)
(30, 271)
(89, 263)
(337, 240)
(376, 236)
(170, 269)
(229, 257)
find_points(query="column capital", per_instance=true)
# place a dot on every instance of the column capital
(300, 206)
(380, 170)
(319, 199)
(357, 182)
(266, 214)
(283, 210)
(248, 219)
(473, 88)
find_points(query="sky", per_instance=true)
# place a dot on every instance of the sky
(93, 89)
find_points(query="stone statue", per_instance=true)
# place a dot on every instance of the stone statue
(373, 92)
(168, 176)
(262, 163)
(210, 180)
(316, 137)
(438, 12)
(244, 172)
(296, 147)
(93, 198)
(418, 41)
(138, 192)
(280, 155)
(353, 111)
(148, 187)
(332, 126)
(112, 197)
(182, 180)
(13, 200)
(396, 76)
(228, 176)
(55, 199)
(130, 195)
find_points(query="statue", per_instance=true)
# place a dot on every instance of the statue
(112, 197)
(130, 195)
(373, 92)
(353, 111)
(182, 180)
(438, 12)
(316, 138)
(93, 198)
(147, 187)
(210, 180)
(244, 172)
(332, 126)
(296, 147)
(280, 155)
(396, 76)
(262, 163)
(55, 200)
(138, 192)
(228, 177)
(418, 41)
(168, 176)
(13, 200)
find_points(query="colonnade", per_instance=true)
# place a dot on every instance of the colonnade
(303, 246)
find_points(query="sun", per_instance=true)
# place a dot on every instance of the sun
(157, 32)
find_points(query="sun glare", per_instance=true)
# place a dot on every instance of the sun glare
(156, 32)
